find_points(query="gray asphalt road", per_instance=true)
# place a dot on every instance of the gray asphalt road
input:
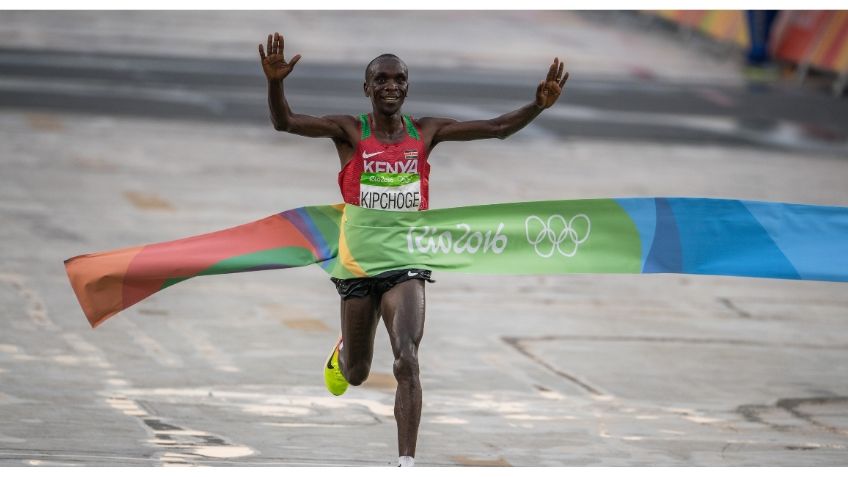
(583, 370)
(596, 107)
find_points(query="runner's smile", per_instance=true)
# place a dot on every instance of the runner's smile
(392, 97)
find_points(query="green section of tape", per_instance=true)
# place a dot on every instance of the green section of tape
(553, 237)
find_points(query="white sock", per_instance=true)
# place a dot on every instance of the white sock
(406, 461)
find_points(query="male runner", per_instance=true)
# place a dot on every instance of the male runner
(384, 165)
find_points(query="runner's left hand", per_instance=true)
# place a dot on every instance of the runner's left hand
(549, 90)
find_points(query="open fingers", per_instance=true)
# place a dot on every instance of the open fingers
(261, 52)
(559, 71)
(564, 79)
(269, 47)
(279, 39)
(294, 60)
(552, 71)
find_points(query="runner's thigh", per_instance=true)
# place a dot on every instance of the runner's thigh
(359, 325)
(402, 308)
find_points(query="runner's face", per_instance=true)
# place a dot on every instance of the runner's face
(387, 86)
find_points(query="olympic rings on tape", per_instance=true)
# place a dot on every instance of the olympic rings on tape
(555, 233)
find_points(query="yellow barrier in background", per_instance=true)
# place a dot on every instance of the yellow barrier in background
(722, 25)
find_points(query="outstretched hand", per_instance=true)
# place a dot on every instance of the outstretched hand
(274, 65)
(549, 90)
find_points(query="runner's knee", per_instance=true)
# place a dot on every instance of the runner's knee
(357, 374)
(406, 364)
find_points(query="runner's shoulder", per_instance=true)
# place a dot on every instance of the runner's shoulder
(434, 123)
(346, 122)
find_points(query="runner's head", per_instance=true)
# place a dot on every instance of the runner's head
(386, 83)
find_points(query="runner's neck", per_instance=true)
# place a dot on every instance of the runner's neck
(388, 128)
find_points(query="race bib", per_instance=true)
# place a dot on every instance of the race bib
(390, 191)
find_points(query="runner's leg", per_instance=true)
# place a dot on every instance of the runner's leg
(402, 308)
(359, 325)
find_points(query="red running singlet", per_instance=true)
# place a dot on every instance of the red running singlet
(387, 176)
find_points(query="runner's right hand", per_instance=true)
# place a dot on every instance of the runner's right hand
(274, 65)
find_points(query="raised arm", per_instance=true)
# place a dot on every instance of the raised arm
(276, 70)
(548, 91)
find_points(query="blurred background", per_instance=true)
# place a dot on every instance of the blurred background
(127, 128)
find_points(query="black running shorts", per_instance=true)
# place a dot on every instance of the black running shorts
(378, 284)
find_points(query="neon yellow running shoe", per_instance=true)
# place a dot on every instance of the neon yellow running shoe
(333, 377)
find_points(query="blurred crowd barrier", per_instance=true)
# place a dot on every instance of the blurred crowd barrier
(722, 25)
(811, 40)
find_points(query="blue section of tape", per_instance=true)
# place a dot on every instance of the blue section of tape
(721, 237)
(813, 238)
(665, 255)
